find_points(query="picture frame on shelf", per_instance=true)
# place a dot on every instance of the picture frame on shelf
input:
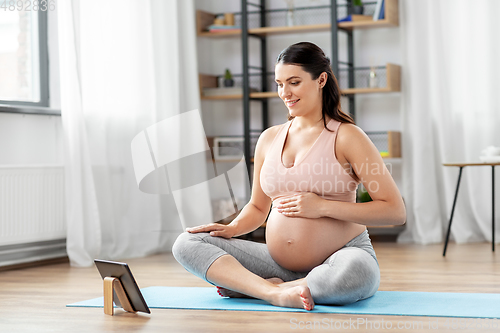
(231, 147)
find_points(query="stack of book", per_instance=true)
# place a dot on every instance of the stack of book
(223, 28)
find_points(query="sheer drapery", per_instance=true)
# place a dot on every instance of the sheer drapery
(451, 107)
(125, 65)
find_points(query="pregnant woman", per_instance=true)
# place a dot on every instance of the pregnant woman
(317, 247)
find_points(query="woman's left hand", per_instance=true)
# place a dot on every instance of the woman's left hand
(306, 204)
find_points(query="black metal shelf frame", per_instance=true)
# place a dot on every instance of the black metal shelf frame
(246, 80)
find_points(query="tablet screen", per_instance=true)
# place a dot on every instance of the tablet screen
(121, 271)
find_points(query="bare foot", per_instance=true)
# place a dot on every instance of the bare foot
(223, 292)
(294, 297)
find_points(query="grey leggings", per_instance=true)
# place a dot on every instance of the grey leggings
(348, 275)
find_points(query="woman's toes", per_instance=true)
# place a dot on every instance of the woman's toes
(294, 297)
(306, 297)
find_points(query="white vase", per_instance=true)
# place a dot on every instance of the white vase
(373, 80)
(290, 17)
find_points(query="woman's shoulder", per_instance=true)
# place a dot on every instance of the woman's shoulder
(266, 138)
(352, 140)
(347, 131)
(269, 134)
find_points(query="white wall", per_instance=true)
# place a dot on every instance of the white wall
(374, 112)
(35, 139)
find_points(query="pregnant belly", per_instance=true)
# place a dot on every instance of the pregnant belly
(300, 244)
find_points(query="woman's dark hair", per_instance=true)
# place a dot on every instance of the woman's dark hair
(312, 59)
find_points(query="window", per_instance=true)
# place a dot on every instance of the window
(24, 84)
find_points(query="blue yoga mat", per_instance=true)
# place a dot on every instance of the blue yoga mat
(398, 303)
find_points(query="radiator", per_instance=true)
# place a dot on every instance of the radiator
(32, 225)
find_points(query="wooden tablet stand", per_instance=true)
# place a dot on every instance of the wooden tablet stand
(113, 284)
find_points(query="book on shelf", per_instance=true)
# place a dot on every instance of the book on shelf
(225, 91)
(378, 10)
(381, 15)
(223, 28)
(355, 18)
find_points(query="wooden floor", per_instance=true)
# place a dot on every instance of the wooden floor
(34, 299)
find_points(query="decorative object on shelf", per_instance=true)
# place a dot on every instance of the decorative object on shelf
(290, 18)
(212, 87)
(389, 79)
(222, 23)
(357, 7)
(229, 19)
(228, 79)
(490, 154)
(219, 20)
(373, 79)
(290, 14)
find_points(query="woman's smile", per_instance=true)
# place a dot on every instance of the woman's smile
(291, 103)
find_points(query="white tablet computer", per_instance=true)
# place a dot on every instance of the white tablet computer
(121, 271)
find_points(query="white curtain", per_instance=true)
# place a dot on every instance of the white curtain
(125, 65)
(451, 107)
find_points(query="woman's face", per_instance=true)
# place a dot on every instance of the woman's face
(301, 94)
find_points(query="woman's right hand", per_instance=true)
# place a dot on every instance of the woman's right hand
(215, 229)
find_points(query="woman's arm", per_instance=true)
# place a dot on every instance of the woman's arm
(387, 207)
(256, 210)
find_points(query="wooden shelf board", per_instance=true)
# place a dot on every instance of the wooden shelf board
(265, 31)
(222, 97)
(351, 91)
(367, 24)
(232, 33)
(268, 94)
